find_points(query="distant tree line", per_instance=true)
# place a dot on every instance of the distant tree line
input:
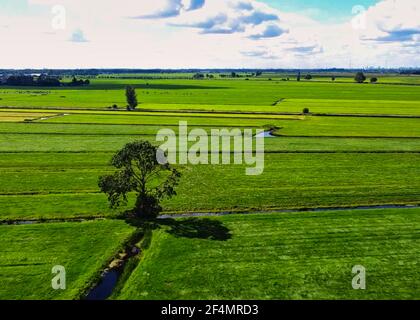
(31, 81)
(413, 71)
(78, 82)
(42, 81)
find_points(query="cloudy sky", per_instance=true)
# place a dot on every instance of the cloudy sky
(209, 33)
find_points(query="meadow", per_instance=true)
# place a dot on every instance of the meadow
(28, 253)
(226, 95)
(359, 146)
(283, 256)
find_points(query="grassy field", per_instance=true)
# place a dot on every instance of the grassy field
(55, 143)
(283, 256)
(227, 95)
(292, 180)
(28, 253)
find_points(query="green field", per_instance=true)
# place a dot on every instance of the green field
(227, 95)
(283, 256)
(359, 147)
(293, 180)
(28, 253)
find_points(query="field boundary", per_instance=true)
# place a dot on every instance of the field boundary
(232, 152)
(139, 111)
(192, 214)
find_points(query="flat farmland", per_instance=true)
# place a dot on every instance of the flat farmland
(283, 256)
(221, 95)
(359, 147)
(28, 253)
(291, 180)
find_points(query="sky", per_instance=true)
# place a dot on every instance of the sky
(209, 33)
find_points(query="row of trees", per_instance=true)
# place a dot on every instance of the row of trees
(78, 82)
(359, 78)
(30, 81)
(42, 81)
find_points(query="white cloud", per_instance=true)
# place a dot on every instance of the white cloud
(207, 33)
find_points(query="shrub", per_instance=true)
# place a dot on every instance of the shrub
(305, 111)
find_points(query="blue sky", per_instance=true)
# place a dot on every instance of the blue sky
(317, 9)
(321, 10)
(210, 33)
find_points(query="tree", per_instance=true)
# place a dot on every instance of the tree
(198, 76)
(298, 76)
(373, 80)
(360, 77)
(332, 78)
(139, 171)
(308, 77)
(131, 96)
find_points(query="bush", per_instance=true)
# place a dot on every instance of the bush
(308, 77)
(305, 111)
(373, 80)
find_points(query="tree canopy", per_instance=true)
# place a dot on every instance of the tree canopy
(360, 77)
(138, 171)
(131, 96)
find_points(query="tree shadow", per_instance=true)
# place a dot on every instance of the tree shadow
(193, 228)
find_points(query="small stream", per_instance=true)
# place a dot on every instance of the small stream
(111, 275)
(106, 285)
(265, 134)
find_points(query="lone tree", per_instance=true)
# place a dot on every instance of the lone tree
(360, 77)
(138, 171)
(131, 96)
(373, 80)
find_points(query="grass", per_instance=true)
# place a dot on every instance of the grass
(283, 256)
(28, 252)
(309, 126)
(385, 107)
(103, 93)
(68, 186)
(15, 116)
(55, 143)
(90, 143)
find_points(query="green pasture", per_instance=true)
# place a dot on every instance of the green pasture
(29, 252)
(104, 93)
(31, 188)
(55, 143)
(282, 256)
